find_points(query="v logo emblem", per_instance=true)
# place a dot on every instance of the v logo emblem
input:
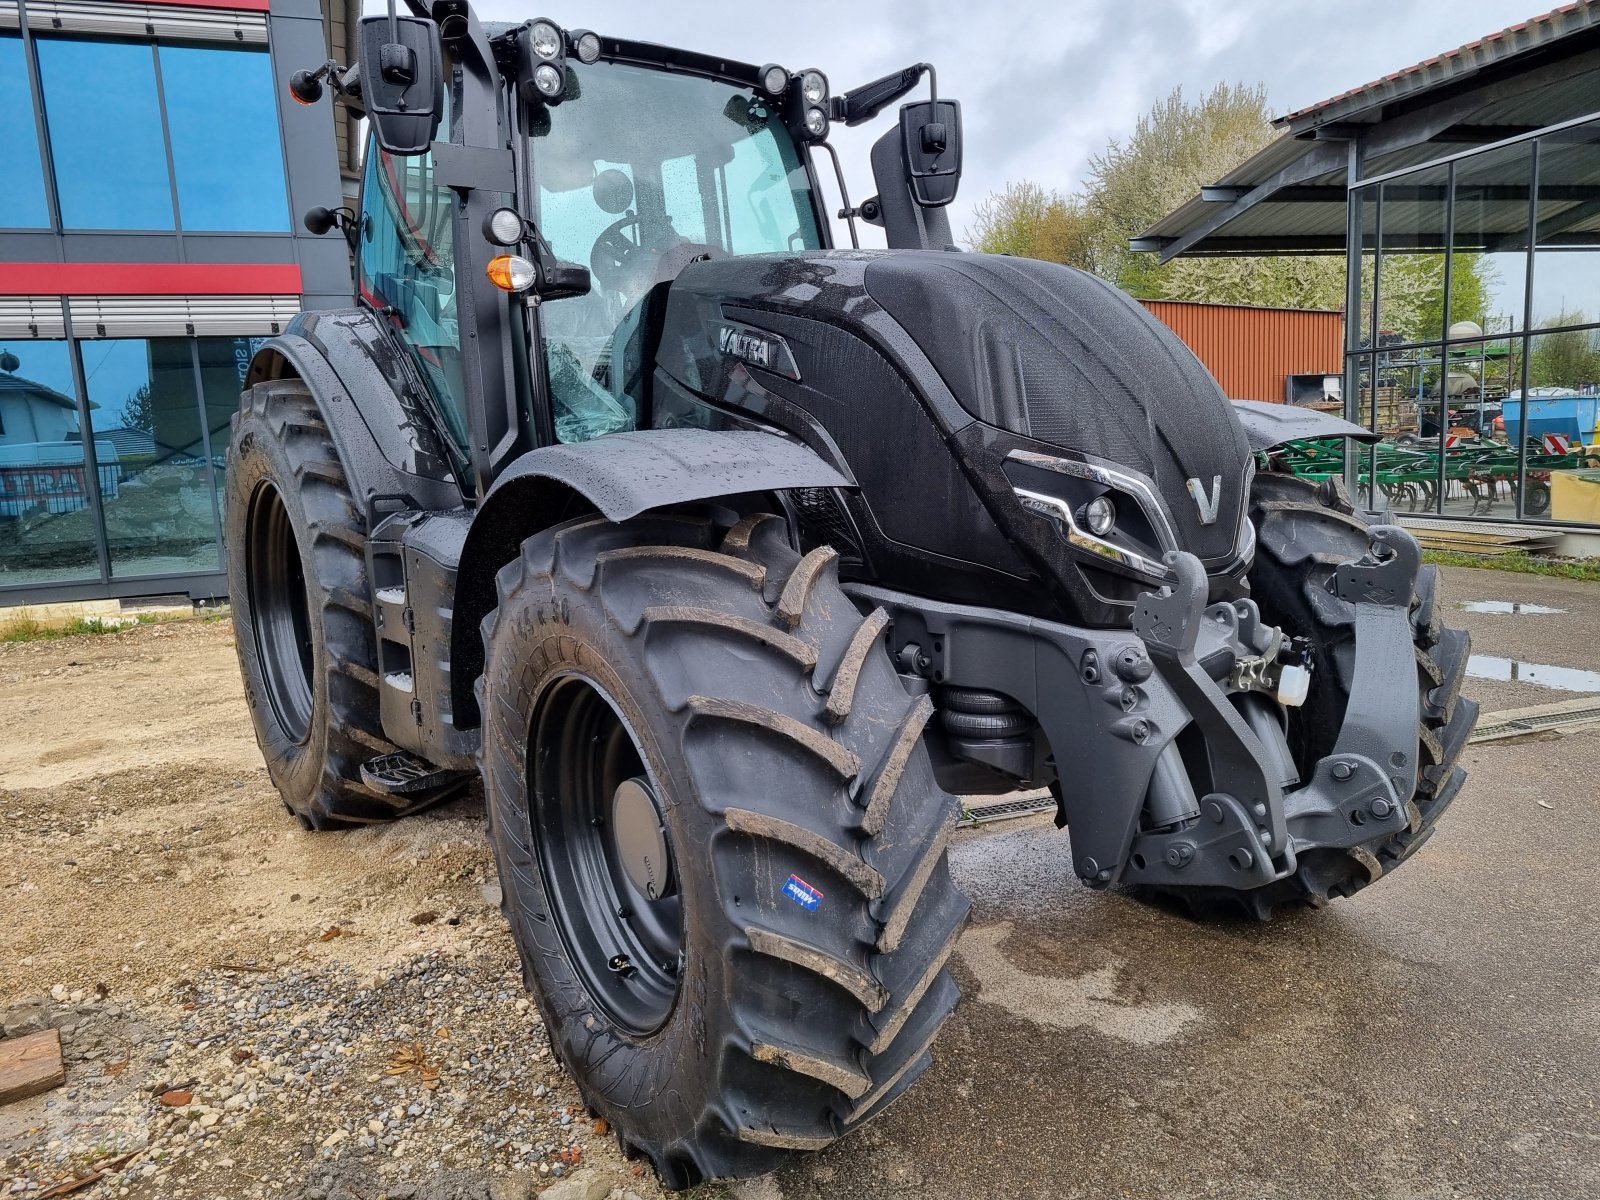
(1207, 504)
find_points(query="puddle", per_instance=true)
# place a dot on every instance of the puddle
(1563, 679)
(1514, 607)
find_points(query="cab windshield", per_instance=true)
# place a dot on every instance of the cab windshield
(638, 173)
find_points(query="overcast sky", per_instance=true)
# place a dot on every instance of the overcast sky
(1044, 84)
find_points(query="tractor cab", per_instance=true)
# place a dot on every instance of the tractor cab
(582, 174)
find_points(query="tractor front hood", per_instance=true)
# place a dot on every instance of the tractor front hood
(1061, 357)
(980, 402)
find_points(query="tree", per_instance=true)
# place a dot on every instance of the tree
(1030, 222)
(1568, 359)
(1411, 293)
(1174, 149)
(139, 411)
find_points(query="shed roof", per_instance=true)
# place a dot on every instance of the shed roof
(1289, 197)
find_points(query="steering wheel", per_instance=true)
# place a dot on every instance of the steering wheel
(615, 256)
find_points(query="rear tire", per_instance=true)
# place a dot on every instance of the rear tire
(302, 610)
(1304, 531)
(758, 706)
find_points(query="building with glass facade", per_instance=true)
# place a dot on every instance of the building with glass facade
(149, 239)
(1464, 193)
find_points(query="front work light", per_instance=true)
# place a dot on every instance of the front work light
(588, 46)
(511, 273)
(774, 79)
(547, 79)
(503, 227)
(813, 87)
(546, 39)
(816, 122)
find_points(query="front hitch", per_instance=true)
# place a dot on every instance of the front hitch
(1250, 830)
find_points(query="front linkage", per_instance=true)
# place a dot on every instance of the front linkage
(1173, 769)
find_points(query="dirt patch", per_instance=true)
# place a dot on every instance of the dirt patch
(238, 997)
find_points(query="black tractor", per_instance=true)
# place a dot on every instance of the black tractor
(726, 559)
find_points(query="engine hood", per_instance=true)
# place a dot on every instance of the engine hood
(1059, 356)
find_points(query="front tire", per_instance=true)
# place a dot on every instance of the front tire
(782, 977)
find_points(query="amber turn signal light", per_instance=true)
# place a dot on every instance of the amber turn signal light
(511, 273)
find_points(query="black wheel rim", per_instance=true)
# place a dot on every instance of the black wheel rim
(279, 614)
(626, 945)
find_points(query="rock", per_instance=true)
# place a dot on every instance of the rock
(511, 1187)
(177, 1098)
(580, 1185)
(209, 1120)
(333, 1139)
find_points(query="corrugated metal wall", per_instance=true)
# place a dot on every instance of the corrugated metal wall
(1251, 351)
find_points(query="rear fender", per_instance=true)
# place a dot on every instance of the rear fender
(370, 400)
(619, 476)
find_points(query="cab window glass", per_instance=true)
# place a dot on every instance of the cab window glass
(408, 267)
(639, 173)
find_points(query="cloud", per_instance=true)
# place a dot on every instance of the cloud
(1044, 84)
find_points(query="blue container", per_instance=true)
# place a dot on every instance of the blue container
(1573, 416)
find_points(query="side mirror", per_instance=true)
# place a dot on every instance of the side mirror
(930, 135)
(559, 280)
(402, 81)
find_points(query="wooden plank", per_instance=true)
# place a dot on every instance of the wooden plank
(30, 1064)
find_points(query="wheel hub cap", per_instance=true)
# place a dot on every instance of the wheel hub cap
(640, 838)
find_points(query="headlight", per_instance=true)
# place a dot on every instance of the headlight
(816, 122)
(1100, 515)
(774, 79)
(813, 87)
(588, 47)
(546, 40)
(547, 79)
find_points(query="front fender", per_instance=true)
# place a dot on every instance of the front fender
(1268, 425)
(620, 476)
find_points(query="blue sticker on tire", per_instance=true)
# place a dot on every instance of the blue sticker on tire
(802, 893)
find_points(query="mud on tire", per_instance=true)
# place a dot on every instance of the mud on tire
(1304, 531)
(302, 610)
(781, 743)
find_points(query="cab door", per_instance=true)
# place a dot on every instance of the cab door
(406, 268)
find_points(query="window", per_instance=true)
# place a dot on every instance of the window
(638, 175)
(1489, 259)
(103, 109)
(1566, 281)
(226, 152)
(1411, 267)
(224, 362)
(22, 201)
(408, 263)
(47, 532)
(104, 116)
(160, 517)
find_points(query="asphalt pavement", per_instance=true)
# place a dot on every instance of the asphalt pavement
(1436, 1037)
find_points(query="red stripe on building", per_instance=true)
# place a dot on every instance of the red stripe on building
(245, 5)
(149, 279)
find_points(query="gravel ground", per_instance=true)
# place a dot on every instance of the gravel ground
(248, 1010)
